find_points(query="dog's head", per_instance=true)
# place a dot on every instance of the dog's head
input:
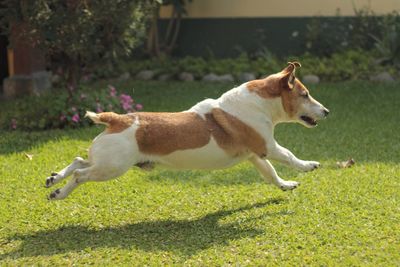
(298, 105)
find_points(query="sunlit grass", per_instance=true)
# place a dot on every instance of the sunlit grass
(336, 217)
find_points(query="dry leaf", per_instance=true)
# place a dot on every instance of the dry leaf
(346, 164)
(29, 156)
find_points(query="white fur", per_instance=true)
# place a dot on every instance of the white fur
(111, 155)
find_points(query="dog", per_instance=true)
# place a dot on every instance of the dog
(213, 134)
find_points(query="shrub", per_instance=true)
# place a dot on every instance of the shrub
(345, 65)
(78, 32)
(51, 111)
(326, 36)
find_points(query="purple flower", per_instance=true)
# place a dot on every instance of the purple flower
(139, 107)
(63, 117)
(13, 124)
(126, 102)
(76, 118)
(113, 91)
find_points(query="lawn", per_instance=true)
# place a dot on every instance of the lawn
(227, 217)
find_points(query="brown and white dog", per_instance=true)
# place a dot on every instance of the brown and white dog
(213, 134)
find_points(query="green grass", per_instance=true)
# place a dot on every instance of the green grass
(226, 217)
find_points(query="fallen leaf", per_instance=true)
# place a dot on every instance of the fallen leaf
(29, 156)
(346, 164)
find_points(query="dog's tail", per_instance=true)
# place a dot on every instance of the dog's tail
(112, 120)
(106, 118)
(96, 118)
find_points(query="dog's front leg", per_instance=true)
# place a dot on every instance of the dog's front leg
(266, 169)
(283, 155)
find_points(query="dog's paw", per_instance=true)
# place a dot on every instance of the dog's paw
(309, 165)
(288, 185)
(56, 194)
(51, 180)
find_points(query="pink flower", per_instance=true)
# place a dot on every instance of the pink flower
(76, 118)
(139, 107)
(113, 91)
(99, 108)
(126, 102)
(63, 117)
(13, 124)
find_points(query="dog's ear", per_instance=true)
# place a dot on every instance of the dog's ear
(288, 73)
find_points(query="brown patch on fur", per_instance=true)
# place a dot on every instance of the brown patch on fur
(291, 99)
(115, 122)
(164, 133)
(266, 88)
(233, 135)
(273, 85)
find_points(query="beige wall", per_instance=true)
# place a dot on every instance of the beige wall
(281, 8)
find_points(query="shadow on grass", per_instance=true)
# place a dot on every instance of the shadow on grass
(181, 236)
(19, 141)
(245, 173)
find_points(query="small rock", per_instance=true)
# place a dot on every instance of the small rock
(186, 77)
(55, 79)
(246, 76)
(145, 75)
(382, 77)
(165, 77)
(125, 76)
(310, 79)
(218, 78)
(226, 78)
(211, 77)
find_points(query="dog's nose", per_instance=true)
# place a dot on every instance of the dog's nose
(326, 112)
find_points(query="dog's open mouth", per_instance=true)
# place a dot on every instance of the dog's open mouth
(309, 120)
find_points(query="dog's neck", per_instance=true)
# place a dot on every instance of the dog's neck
(245, 104)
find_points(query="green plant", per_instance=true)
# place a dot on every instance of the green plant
(79, 32)
(388, 46)
(54, 111)
(346, 65)
(326, 36)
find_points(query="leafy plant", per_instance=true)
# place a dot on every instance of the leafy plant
(326, 36)
(50, 111)
(388, 46)
(80, 32)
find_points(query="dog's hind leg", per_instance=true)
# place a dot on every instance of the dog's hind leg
(56, 177)
(79, 177)
(266, 169)
(102, 171)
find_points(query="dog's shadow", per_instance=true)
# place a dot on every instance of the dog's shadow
(180, 236)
